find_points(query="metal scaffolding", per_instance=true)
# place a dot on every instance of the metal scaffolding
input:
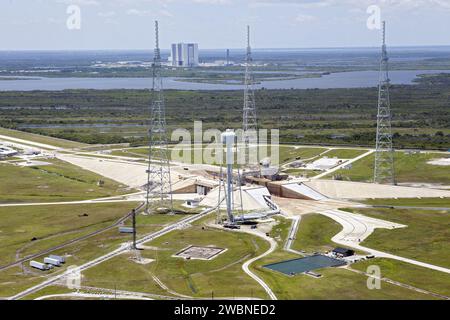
(250, 125)
(384, 156)
(159, 184)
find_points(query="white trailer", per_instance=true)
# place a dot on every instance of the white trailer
(51, 261)
(59, 258)
(126, 229)
(40, 266)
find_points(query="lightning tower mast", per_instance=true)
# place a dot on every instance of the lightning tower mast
(250, 124)
(384, 156)
(159, 184)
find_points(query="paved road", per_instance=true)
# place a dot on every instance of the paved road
(130, 197)
(357, 227)
(28, 144)
(95, 296)
(292, 233)
(246, 265)
(97, 290)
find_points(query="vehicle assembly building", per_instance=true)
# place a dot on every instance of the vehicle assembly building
(184, 55)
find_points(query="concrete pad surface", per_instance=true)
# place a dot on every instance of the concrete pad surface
(358, 190)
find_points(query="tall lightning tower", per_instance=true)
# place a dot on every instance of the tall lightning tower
(159, 184)
(250, 124)
(384, 156)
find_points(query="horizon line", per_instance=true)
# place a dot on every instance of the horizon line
(234, 49)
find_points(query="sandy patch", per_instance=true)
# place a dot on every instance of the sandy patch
(440, 162)
(143, 261)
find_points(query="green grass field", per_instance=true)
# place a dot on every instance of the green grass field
(50, 290)
(123, 274)
(55, 142)
(156, 221)
(60, 181)
(431, 280)
(336, 283)
(14, 280)
(427, 237)
(315, 232)
(145, 225)
(132, 153)
(286, 153)
(423, 202)
(196, 278)
(408, 168)
(51, 225)
(80, 252)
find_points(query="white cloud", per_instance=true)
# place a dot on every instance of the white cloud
(144, 2)
(165, 13)
(354, 3)
(301, 18)
(212, 1)
(149, 13)
(291, 3)
(405, 4)
(267, 3)
(140, 13)
(107, 14)
(80, 2)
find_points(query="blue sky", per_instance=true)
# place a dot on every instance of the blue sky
(128, 24)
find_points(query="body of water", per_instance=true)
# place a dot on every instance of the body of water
(355, 79)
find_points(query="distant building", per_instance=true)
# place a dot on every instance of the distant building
(184, 55)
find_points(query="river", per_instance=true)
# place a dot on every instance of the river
(355, 79)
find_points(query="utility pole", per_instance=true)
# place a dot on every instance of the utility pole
(384, 155)
(134, 229)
